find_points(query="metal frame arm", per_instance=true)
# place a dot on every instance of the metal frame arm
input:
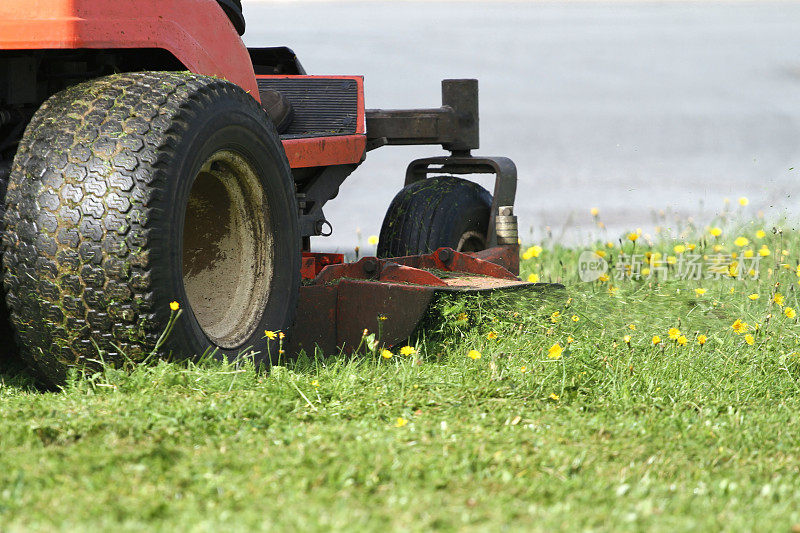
(454, 125)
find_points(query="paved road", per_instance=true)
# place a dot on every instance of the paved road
(629, 107)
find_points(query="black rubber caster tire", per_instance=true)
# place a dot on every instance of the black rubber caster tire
(435, 212)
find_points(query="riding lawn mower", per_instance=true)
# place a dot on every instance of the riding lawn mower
(147, 156)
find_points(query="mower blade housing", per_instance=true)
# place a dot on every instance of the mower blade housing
(339, 300)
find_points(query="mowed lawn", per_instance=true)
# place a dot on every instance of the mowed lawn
(525, 411)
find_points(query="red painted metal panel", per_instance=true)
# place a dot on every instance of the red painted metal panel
(325, 151)
(197, 32)
(313, 263)
(361, 304)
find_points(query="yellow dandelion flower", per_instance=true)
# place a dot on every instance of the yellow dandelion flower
(700, 291)
(575, 318)
(626, 339)
(400, 422)
(609, 244)
(632, 237)
(691, 247)
(778, 298)
(535, 251)
(491, 335)
(679, 249)
(715, 232)
(674, 333)
(718, 248)
(749, 339)
(174, 306)
(523, 369)
(632, 327)
(383, 318)
(764, 251)
(553, 397)
(656, 340)
(741, 242)
(372, 240)
(594, 211)
(271, 335)
(462, 317)
(760, 234)
(555, 351)
(671, 260)
(789, 312)
(682, 340)
(533, 278)
(408, 350)
(702, 339)
(645, 272)
(600, 253)
(570, 340)
(733, 269)
(739, 326)
(748, 253)
(743, 201)
(754, 296)
(555, 316)
(474, 354)
(315, 383)
(612, 290)
(386, 354)
(603, 278)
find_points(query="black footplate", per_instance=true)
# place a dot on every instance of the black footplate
(322, 107)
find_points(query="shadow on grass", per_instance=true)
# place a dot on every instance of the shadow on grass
(15, 373)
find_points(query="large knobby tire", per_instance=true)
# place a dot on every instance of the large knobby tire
(9, 358)
(436, 212)
(136, 190)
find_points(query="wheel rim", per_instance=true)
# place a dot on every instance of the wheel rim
(227, 249)
(471, 241)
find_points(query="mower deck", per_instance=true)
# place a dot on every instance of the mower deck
(388, 297)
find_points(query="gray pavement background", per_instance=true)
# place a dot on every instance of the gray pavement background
(628, 107)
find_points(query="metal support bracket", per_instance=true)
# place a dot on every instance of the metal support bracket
(454, 125)
(315, 194)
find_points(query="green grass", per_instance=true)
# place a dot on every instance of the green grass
(609, 436)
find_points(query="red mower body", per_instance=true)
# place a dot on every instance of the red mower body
(196, 32)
